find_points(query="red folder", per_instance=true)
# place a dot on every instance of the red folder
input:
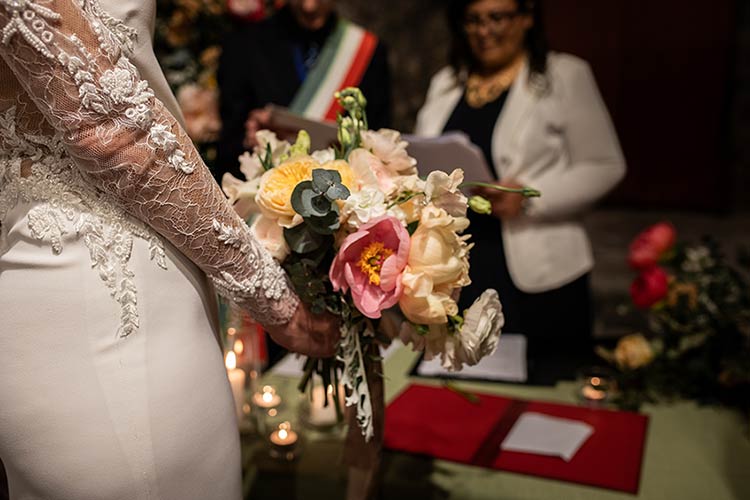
(443, 424)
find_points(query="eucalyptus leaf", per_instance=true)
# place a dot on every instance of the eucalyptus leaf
(297, 195)
(323, 179)
(302, 240)
(338, 192)
(321, 205)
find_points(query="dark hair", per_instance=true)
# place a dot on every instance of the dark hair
(535, 42)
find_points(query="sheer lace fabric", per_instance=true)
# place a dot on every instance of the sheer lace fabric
(83, 136)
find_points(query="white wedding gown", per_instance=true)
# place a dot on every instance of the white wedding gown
(112, 385)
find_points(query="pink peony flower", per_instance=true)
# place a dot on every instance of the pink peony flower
(370, 263)
(649, 246)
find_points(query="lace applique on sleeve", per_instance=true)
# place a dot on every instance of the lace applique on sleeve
(69, 60)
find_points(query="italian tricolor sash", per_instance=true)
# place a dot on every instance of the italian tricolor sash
(342, 63)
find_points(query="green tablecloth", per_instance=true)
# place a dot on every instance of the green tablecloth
(692, 452)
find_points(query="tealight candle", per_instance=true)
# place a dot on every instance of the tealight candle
(267, 398)
(284, 441)
(237, 381)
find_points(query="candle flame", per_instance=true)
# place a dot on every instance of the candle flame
(239, 346)
(283, 434)
(330, 389)
(285, 426)
(231, 331)
(267, 397)
(231, 360)
(596, 381)
(268, 389)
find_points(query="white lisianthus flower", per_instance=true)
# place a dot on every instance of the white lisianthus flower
(480, 332)
(324, 155)
(271, 236)
(442, 190)
(363, 206)
(241, 194)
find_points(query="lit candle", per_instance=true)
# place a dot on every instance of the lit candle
(593, 394)
(320, 414)
(284, 438)
(267, 398)
(237, 381)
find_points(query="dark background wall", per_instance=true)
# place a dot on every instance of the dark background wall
(675, 76)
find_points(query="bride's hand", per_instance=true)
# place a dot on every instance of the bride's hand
(315, 335)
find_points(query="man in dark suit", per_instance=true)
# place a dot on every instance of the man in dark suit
(284, 60)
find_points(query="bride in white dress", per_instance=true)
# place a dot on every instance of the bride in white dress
(112, 385)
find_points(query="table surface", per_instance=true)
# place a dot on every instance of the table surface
(692, 452)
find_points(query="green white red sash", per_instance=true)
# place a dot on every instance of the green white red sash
(342, 63)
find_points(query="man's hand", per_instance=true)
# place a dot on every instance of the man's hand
(504, 205)
(315, 335)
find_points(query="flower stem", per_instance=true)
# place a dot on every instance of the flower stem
(525, 191)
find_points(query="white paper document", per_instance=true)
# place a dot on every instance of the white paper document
(546, 435)
(507, 364)
(447, 153)
(322, 134)
(292, 365)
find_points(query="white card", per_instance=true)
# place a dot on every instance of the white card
(508, 363)
(545, 435)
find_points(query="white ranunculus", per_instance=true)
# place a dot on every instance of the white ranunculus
(271, 236)
(442, 190)
(324, 155)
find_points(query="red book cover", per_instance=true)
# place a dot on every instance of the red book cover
(440, 423)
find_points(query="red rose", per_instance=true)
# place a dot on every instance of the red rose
(650, 287)
(648, 247)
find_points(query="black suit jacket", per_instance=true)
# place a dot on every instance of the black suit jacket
(257, 68)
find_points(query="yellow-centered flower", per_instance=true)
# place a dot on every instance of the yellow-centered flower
(371, 260)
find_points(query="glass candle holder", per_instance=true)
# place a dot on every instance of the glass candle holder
(596, 385)
(317, 410)
(284, 442)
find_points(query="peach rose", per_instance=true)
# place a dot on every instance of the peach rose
(633, 352)
(438, 264)
(275, 193)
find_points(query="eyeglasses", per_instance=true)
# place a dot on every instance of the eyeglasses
(495, 21)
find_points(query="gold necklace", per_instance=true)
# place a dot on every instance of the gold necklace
(481, 90)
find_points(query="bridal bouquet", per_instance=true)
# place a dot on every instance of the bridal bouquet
(362, 235)
(698, 310)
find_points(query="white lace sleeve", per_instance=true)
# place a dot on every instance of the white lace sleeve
(129, 146)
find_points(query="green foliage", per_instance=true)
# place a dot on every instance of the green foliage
(700, 334)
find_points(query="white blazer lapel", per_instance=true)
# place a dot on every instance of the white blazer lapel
(506, 145)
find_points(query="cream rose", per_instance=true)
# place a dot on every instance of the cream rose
(437, 265)
(633, 352)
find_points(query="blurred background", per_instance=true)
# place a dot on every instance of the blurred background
(675, 76)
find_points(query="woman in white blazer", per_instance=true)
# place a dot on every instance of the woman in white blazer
(541, 122)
